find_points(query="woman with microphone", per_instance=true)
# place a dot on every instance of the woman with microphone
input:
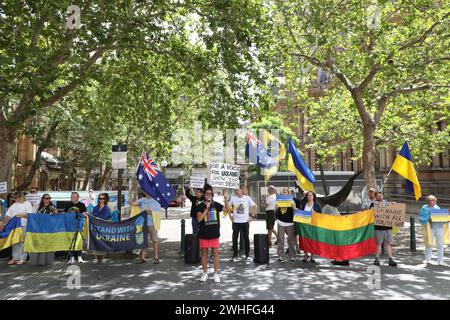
(209, 231)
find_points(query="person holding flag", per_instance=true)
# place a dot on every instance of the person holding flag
(154, 183)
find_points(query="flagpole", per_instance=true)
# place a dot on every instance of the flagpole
(385, 180)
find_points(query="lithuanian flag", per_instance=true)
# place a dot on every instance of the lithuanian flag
(339, 237)
(12, 233)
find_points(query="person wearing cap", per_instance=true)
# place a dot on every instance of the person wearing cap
(270, 204)
(195, 202)
(367, 203)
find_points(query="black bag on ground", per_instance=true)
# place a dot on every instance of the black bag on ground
(261, 249)
(191, 249)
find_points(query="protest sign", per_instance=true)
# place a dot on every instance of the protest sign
(389, 214)
(197, 182)
(284, 201)
(439, 215)
(127, 235)
(3, 187)
(302, 216)
(225, 175)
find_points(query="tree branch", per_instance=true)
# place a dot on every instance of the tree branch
(414, 89)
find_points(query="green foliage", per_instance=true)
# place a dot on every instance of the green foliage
(394, 78)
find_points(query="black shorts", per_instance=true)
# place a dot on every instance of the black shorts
(270, 219)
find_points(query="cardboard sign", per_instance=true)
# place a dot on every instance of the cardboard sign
(197, 182)
(225, 175)
(389, 214)
(302, 216)
(284, 201)
(439, 215)
(3, 187)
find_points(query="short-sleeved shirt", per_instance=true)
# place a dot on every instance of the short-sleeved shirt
(80, 206)
(271, 202)
(20, 208)
(152, 204)
(209, 228)
(241, 208)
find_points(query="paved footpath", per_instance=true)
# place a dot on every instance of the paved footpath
(122, 278)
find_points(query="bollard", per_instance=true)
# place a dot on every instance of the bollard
(183, 232)
(412, 229)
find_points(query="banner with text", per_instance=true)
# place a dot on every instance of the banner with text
(225, 175)
(127, 235)
(389, 214)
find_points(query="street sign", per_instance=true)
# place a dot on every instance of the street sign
(3, 187)
(119, 156)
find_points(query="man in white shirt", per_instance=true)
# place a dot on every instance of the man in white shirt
(241, 217)
(271, 201)
(34, 199)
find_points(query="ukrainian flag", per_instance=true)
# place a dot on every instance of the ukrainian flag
(403, 166)
(12, 233)
(276, 150)
(296, 164)
(52, 232)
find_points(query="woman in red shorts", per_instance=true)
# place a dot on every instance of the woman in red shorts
(209, 231)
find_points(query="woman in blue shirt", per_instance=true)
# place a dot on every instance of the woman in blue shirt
(101, 211)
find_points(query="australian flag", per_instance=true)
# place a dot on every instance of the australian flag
(153, 182)
(257, 154)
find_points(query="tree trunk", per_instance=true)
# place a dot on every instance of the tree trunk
(35, 166)
(104, 177)
(8, 146)
(368, 155)
(86, 178)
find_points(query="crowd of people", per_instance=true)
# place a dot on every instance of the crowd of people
(205, 213)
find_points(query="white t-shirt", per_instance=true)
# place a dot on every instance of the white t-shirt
(241, 208)
(271, 201)
(20, 208)
(308, 208)
(34, 200)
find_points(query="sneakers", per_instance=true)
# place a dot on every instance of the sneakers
(233, 258)
(71, 260)
(204, 277)
(12, 261)
(80, 260)
(216, 278)
(441, 263)
(426, 261)
(281, 260)
(376, 262)
(247, 258)
(21, 262)
(392, 263)
(292, 260)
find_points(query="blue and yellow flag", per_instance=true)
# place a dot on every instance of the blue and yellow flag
(52, 232)
(12, 233)
(403, 166)
(276, 150)
(296, 164)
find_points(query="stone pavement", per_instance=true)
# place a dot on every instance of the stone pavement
(122, 278)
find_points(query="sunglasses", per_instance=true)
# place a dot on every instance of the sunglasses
(101, 198)
(32, 191)
(47, 198)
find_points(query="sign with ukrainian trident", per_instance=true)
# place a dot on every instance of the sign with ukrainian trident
(126, 235)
